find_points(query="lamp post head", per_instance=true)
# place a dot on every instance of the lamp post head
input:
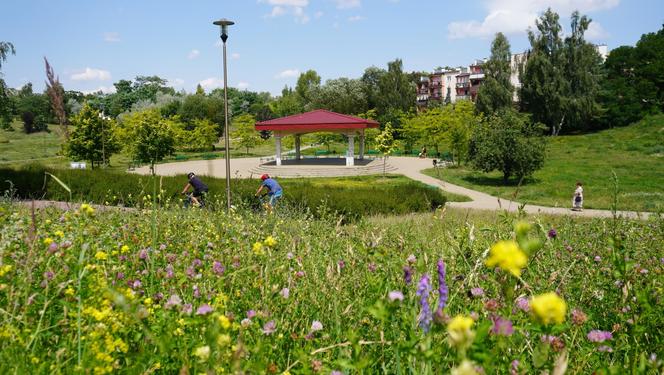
(224, 23)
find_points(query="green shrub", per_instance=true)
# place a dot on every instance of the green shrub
(351, 197)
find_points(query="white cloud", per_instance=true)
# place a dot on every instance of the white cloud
(235, 56)
(211, 83)
(111, 37)
(596, 32)
(347, 4)
(243, 85)
(283, 7)
(104, 89)
(176, 82)
(318, 15)
(355, 18)
(193, 54)
(515, 16)
(288, 73)
(91, 74)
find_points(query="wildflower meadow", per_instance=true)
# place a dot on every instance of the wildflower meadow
(204, 292)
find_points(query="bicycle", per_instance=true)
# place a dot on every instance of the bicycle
(190, 202)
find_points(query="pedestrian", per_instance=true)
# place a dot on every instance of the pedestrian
(577, 199)
(423, 153)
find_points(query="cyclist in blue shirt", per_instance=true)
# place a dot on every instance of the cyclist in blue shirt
(274, 190)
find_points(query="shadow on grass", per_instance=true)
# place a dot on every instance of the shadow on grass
(497, 181)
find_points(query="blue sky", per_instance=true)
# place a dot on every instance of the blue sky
(92, 44)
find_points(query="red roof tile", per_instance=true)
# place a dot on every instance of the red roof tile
(319, 119)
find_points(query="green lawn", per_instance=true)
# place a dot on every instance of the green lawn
(635, 153)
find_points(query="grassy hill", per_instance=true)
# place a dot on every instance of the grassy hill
(635, 153)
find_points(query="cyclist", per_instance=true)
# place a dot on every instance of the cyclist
(274, 190)
(199, 189)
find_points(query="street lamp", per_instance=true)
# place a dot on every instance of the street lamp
(224, 23)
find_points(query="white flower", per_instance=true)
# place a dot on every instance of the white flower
(316, 326)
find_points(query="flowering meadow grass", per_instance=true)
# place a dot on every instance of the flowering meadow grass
(197, 291)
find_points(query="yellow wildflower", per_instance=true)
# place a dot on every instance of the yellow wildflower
(223, 340)
(508, 256)
(224, 322)
(59, 233)
(178, 332)
(548, 308)
(270, 241)
(258, 248)
(69, 291)
(86, 208)
(124, 249)
(48, 241)
(202, 352)
(147, 301)
(465, 368)
(522, 228)
(5, 269)
(460, 332)
(34, 360)
(101, 255)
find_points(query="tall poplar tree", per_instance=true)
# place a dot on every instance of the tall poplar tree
(497, 91)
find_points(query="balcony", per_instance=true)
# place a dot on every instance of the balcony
(463, 97)
(477, 76)
(460, 85)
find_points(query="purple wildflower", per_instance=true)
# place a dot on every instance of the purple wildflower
(65, 245)
(162, 247)
(143, 254)
(605, 348)
(502, 326)
(285, 293)
(119, 275)
(552, 233)
(135, 284)
(289, 256)
(48, 275)
(341, 264)
(395, 295)
(599, 336)
(204, 309)
(598, 258)
(411, 259)
(210, 245)
(372, 267)
(407, 275)
(299, 274)
(197, 263)
(197, 292)
(173, 300)
(316, 326)
(53, 247)
(190, 272)
(158, 296)
(523, 304)
(423, 290)
(236, 262)
(170, 257)
(169, 272)
(269, 327)
(251, 314)
(186, 309)
(442, 286)
(218, 268)
(515, 367)
(477, 292)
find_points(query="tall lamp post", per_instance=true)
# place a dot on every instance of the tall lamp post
(224, 23)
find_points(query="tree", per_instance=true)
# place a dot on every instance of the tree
(245, 132)
(34, 109)
(148, 137)
(56, 94)
(199, 90)
(385, 143)
(508, 142)
(560, 79)
(395, 90)
(497, 91)
(6, 48)
(371, 80)
(287, 104)
(341, 95)
(307, 84)
(93, 138)
(199, 134)
(459, 131)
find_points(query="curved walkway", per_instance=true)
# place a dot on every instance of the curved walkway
(407, 166)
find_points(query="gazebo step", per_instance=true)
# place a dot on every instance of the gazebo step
(290, 171)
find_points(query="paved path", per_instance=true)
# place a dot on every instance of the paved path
(407, 166)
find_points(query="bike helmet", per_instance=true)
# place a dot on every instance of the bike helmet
(190, 175)
(265, 177)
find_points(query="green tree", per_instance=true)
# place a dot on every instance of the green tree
(341, 95)
(245, 133)
(6, 48)
(560, 79)
(199, 134)
(93, 138)
(307, 85)
(287, 104)
(199, 90)
(56, 94)
(508, 142)
(385, 143)
(497, 91)
(462, 120)
(148, 137)
(371, 80)
(395, 89)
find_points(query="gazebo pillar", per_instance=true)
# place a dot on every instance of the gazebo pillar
(362, 145)
(277, 142)
(350, 154)
(297, 146)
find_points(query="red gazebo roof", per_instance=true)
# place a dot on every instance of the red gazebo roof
(318, 120)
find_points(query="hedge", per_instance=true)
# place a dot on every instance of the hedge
(352, 197)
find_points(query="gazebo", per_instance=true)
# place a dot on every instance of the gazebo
(318, 121)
